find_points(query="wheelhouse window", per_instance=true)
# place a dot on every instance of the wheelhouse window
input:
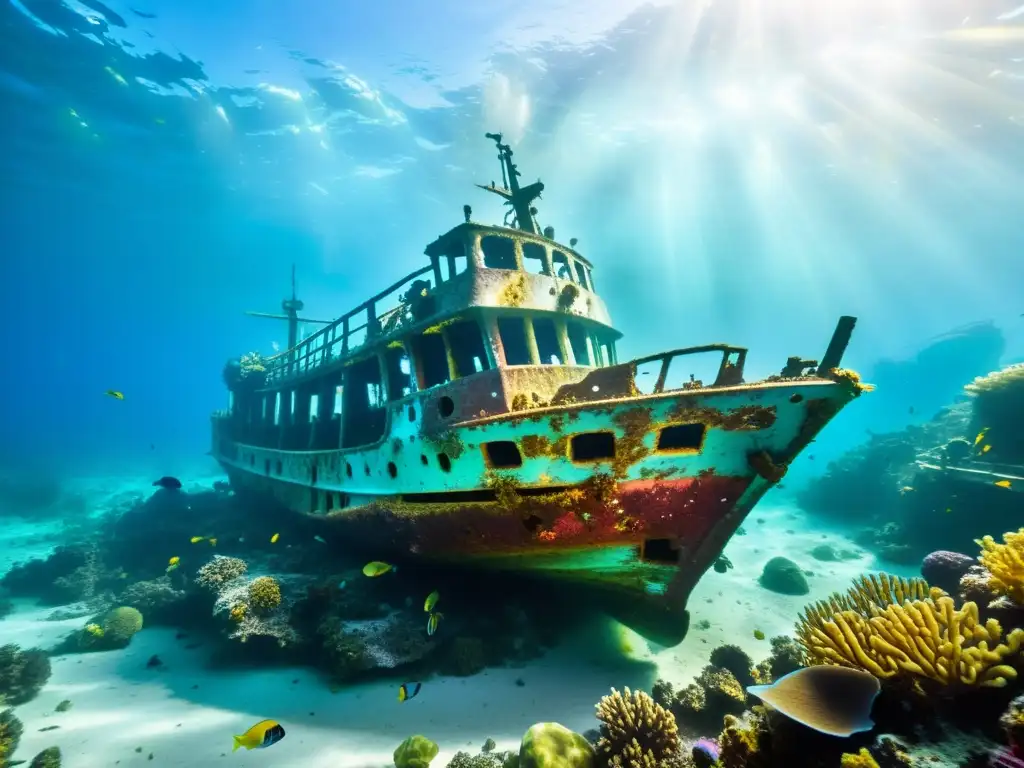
(513, 338)
(579, 342)
(432, 357)
(467, 344)
(546, 333)
(277, 409)
(499, 252)
(454, 261)
(561, 264)
(581, 274)
(400, 381)
(535, 259)
(314, 408)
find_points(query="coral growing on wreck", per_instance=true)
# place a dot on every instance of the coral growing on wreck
(998, 408)
(635, 731)
(1005, 564)
(924, 639)
(22, 673)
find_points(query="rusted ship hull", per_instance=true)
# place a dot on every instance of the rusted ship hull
(640, 527)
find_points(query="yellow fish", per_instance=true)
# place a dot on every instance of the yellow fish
(114, 394)
(1003, 483)
(274, 538)
(407, 691)
(197, 539)
(758, 634)
(432, 622)
(174, 560)
(264, 734)
(213, 542)
(981, 436)
(377, 568)
(986, 448)
(431, 601)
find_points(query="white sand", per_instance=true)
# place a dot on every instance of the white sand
(119, 705)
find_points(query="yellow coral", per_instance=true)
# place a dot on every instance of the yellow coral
(635, 730)
(849, 379)
(862, 759)
(1006, 564)
(926, 639)
(238, 612)
(868, 595)
(95, 630)
(264, 594)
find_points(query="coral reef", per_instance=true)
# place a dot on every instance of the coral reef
(862, 759)
(48, 758)
(787, 656)
(782, 575)
(219, 571)
(635, 731)
(551, 745)
(415, 752)
(928, 640)
(121, 624)
(264, 595)
(484, 760)
(1012, 722)
(10, 736)
(268, 618)
(944, 569)
(22, 673)
(154, 598)
(998, 407)
(735, 660)
(1005, 564)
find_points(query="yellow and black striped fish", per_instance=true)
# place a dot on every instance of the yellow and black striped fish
(408, 691)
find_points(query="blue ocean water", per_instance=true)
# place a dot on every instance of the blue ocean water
(736, 171)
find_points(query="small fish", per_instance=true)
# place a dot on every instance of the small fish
(197, 539)
(114, 394)
(432, 621)
(264, 734)
(174, 560)
(170, 483)
(948, 510)
(986, 448)
(377, 568)
(341, 584)
(905, 490)
(722, 564)
(319, 538)
(408, 691)
(981, 436)
(212, 541)
(1003, 483)
(758, 634)
(274, 538)
(431, 601)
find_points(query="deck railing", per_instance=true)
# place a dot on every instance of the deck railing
(348, 333)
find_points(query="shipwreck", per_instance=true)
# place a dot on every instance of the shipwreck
(476, 413)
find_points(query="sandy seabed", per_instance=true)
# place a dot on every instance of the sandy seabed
(184, 714)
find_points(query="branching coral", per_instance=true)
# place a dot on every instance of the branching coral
(219, 571)
(868, 595)
(862, 759)
(1005, 563)
(234, 599)
(636, 732)
(264, 595)
(922, 639)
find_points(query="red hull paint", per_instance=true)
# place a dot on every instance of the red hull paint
(684, 510)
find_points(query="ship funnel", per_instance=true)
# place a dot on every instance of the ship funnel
(549, 233)
(837, 346)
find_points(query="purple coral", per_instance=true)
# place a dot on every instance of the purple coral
(705, 753)
(944, 569)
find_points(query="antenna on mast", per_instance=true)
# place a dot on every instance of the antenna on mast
(291, 308)
(518, 197)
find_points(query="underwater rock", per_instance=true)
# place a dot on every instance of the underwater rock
(944, 569)
(415, 752)
(67, 575)
(552, 745)
(830, 554)
(392, 641)
(485, 760)
(48, 758)
(783, 576)
(22, 673)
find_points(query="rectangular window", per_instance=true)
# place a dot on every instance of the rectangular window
(364, 414)
(339, 392)
(400, 383)
(547, 341)
(291, 407)
(454, 262)
(467, 344)
(314, 408)
(266, 401)
(561, 264)
(535, 258)
(581, 273)
(277, 409)
(499, 252)
(578, 341)
(231, 401)
(513, 339)
(433, 359)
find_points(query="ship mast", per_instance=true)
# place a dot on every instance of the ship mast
(518, 197)
(291, 308)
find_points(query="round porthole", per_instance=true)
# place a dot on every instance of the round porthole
(392, 470)
(796, 398)
(446, 407)
(444, 462)
(412, 413)
(423, 460)
(348, 469)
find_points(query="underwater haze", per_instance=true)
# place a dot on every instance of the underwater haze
(736, 171)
